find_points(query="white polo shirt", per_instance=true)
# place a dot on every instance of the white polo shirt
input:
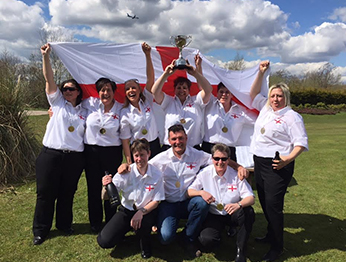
(65, 117)
(102, 129)
(137, 124)
(225, 189)
(178, 174)
(279, 130)
(139, 190)
(222, 127)
(190, 115)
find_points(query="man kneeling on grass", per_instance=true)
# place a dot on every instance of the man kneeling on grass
(230, 201)
(141, 190)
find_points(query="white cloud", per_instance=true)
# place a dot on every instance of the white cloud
(339, 13)
(20, 27)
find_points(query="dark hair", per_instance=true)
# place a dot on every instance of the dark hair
(176, 128)
(222, 148)
(103, 81)
(220, 85)
(74, 82)
(141, 96)
(182, 79)
(139, 145)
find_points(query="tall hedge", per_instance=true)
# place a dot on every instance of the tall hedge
(314, 96)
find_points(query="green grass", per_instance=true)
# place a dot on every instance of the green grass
(315, 226)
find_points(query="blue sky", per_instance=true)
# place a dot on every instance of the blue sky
(294, 35)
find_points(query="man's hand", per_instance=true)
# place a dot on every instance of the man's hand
(243, 172)
(124, 168)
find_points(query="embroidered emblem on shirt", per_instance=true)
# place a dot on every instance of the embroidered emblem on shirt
(81, 117)
(234, 116)
(232, 187)
(150, 187)
(115, 116)
(189, 105)
(278, 121)
(147, 110)
(191, 166)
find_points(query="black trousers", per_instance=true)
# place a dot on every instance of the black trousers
(98, 160)
(57, 176)
(114, 231)
(206, 147)
(271, 188)
(243, 218)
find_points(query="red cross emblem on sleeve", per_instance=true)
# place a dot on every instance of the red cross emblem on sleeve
(150, 187)
(232, 187)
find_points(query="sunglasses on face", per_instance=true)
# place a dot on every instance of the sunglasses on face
(71, 89)
(223, 159)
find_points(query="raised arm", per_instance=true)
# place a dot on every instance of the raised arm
(158, 85)
(51, 87)
(202, 82)
(198, 63)
(257, 84)
(149, 66)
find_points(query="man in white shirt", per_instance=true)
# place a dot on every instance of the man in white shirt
(230, 201)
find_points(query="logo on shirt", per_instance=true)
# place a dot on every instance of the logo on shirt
(232, 187)
(115, 116)
(147, 110)
(150, 187)
(81, 117)
(235, 116)
(190, 165)
(189, 105)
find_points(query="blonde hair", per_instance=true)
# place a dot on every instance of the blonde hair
(285, 89)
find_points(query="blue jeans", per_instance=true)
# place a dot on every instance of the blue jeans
(194, 209)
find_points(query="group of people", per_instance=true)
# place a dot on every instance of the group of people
(193, 175)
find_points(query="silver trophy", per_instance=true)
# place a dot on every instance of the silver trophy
(180, 41)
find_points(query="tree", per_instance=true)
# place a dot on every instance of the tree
(237, 64)
(324, 77)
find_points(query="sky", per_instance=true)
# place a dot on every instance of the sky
(295, 35)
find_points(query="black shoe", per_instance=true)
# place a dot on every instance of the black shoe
(146, 254)
(240, 255)
(265, 239)
(68, 231)
(272, 255)
(145, 248)
(191, 249)
(38, 240)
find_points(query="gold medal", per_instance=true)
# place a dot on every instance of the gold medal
(225, 129)
(182, 121)
(70, 128)
(103, 131)
(262, 130)
(219, 207)
(144, 131)
(177, 184)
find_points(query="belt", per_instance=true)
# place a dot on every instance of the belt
(65, 151)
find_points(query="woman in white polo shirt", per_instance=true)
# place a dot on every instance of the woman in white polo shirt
(137, 116)
(182, 108)
(277, 129)
(61, 161)
(103, 148)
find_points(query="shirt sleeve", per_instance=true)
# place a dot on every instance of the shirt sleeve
(259, 102)
(125, 130)
(166, 101)
(197, 183)
(298, 133)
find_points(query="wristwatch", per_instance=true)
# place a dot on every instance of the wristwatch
(241, 206)
(143, 210)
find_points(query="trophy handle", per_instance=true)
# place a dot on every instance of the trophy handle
(190, 39)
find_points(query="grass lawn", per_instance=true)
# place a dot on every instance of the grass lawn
(315, 225)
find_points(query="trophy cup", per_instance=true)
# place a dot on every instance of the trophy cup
(180, 41)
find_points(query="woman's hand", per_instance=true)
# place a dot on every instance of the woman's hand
(207, 197)
(170, 68)
(146, 48)
(231, 208)
(264, 65)
(106, 180)
(45, 49)
(136, 220)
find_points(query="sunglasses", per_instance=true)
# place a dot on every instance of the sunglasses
(132, 79)
(71, 89)
(223, 159)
